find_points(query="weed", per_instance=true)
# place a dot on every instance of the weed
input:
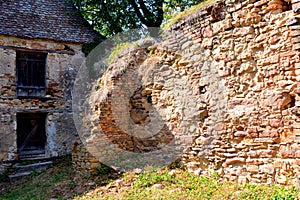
(71, 183)
(176, 165)
(148, 179)
(284, 194)
(152, 51)
(177, 17)
(147, 50)
(35, 173)
(102, 170)
(100, 83)
(86, 175)
(24, 163)
(118, 49)
(4, 176)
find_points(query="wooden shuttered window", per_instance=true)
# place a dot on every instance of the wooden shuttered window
(31, 74)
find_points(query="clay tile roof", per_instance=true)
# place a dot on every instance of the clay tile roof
(44, 19)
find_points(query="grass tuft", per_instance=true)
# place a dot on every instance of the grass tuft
(178, 16)
(118, 49)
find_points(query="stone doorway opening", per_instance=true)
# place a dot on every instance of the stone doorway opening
(31, 135)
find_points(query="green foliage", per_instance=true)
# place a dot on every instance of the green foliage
(274, 192)
(148, 179)
(35, 173)
(4, 176)
(88, 47)
(176, 165)
(108, 17)
(152, 52)
(174, 17)
(102, 170)
(33, 189)
(71, 183)
(284, 193)
(111, 17)
(117, 50)
(38, 185)
(24, 163)
(184, 185)
(176, 183)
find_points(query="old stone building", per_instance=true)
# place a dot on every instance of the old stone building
(40, 53)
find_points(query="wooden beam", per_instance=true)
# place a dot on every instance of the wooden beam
(68, 52)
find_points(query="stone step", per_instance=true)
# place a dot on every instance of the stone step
(33, 167)
(21, 171)
(30, 157)
(14, 177)
(29, 148)
(32, 152)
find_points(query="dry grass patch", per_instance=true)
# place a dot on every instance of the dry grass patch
(178, 16)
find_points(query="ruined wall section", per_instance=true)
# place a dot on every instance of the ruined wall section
(62, 63)
(240, 60)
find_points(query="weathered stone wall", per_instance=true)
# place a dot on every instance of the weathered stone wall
(254, 48)
(82, 159)
(237, 62)
(62, 63)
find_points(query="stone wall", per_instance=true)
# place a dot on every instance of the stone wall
(62, 63)
(237, 64)
(254, 48)
(83, 160)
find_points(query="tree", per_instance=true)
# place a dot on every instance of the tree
(113, 16)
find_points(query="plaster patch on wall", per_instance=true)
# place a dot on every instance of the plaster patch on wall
(51, 135)
(240, 110)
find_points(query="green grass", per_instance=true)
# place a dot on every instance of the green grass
(60, 182)
(118, 49)
(178, 16)
(63, 182)
(4, 176)
(34, 190)
(36, 186)
(184, 185)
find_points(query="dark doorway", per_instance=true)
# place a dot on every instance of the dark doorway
(31, 133)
